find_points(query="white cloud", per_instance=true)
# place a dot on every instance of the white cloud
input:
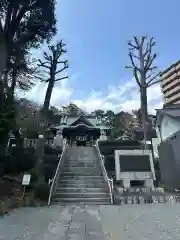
(61, 93)
(124, 96)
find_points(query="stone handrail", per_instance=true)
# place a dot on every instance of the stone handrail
(57, 173)
(104, 171)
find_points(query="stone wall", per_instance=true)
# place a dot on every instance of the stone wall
(170, 161)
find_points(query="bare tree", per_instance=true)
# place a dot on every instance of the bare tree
(145, 72)
(55, 66)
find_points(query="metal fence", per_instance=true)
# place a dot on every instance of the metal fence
(146, 199)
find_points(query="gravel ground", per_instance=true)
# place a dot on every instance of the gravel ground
(79, 222)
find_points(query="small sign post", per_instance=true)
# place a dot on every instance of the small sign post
(25, 182)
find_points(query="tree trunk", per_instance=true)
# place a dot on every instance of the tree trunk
(144, 125)
(3, 53)
(1, 96)
(48, 96)
(13, 84)
(143, 93)
(144, 113)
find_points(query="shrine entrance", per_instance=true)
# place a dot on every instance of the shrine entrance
(81, 135)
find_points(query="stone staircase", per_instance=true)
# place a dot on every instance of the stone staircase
(81, 178)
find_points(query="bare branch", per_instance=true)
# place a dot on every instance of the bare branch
(53, 59)
(149, 76)
(43, 64)
(47, 57)
(152, 68)
(143, 54)
(61, 62)
(134, 56)
(59, 79)
(136, 77)
(62, 69)
(130, 67)
(155, 82)
(45, 80)
(132, 46)
(137, 42)
(142, 41)
(152, 82)
(150, 61)
(132, 62)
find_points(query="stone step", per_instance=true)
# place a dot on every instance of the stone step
(82, 178)
(92, 161)
(79, 167)
(66, 203)
(97, 200)
(82, 185)
(82, 174)
(60, 189)
(81, 194)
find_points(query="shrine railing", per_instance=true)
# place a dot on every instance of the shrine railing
(109, 182)
(33, 142)
(57, 173)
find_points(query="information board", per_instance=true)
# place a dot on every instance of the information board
(26, 179)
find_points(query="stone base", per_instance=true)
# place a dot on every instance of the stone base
(126, 183)
(149, 183)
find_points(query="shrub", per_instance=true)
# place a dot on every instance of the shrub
(19, 160)
(34, 175)
(25, 161)
(1, 169)
(42, 191)
(31, 134)
(10, 165)
(52, 160)
(49, 150)
(49, 172)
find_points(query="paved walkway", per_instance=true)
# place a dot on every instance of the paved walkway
(53, 223)
(135, 222)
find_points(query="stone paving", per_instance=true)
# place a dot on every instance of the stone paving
(87, 222)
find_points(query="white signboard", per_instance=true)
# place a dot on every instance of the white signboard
(26, 179)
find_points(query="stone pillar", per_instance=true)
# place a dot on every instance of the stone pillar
(58, 140)
(40, 148)
(126, 183)
(149, 183)
(103, 135)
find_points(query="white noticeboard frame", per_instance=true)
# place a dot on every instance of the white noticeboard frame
(26, 179)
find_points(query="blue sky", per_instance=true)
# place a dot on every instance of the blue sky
(96, 33)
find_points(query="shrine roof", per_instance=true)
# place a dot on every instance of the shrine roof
(90, 120)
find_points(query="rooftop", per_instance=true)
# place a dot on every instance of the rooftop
(169, 68)
(172, 110)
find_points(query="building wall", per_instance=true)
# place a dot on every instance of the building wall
(168, 127)
(170, 161)
(170, 84)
